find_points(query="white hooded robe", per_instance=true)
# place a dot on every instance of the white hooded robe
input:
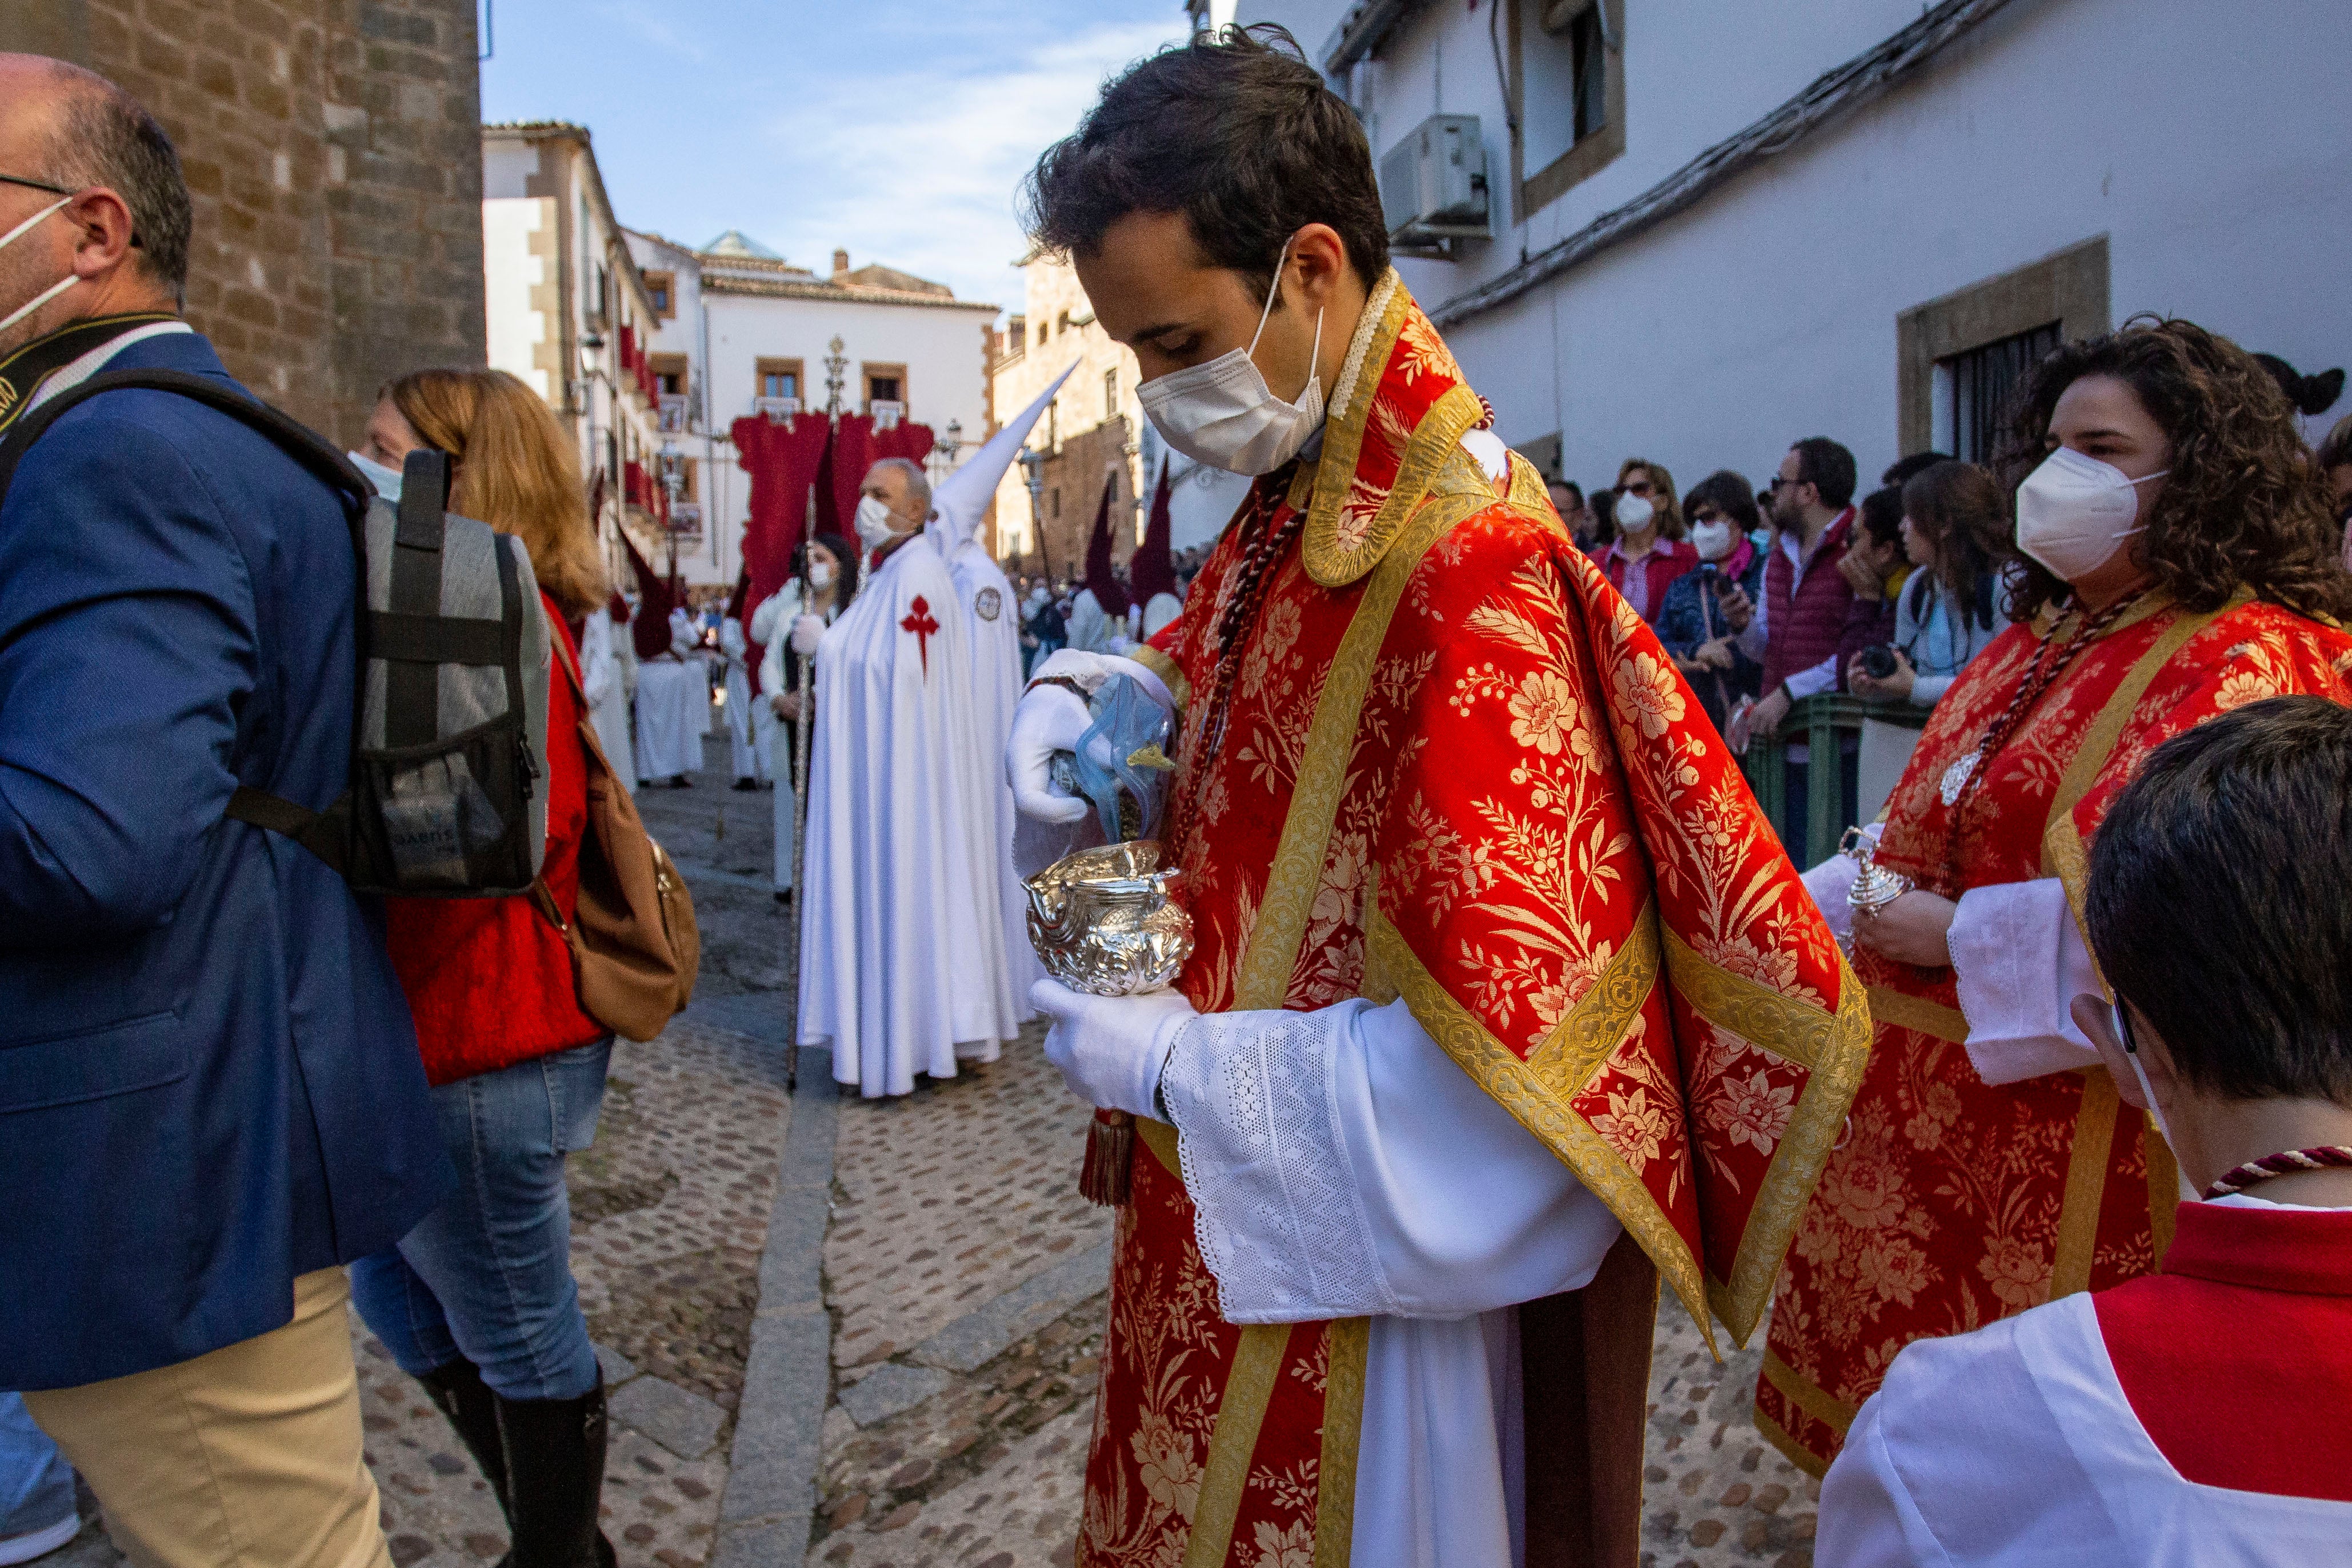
(904, 965)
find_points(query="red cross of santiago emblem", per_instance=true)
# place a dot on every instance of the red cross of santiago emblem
(919, 622)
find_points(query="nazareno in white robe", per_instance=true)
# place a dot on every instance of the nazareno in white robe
(771, 625)
(993, 616)
(605, 683)
(673, 707)
(741, 743)
(1090, 630)
(903, 965)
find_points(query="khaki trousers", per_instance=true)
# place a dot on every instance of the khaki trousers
(246, 1458)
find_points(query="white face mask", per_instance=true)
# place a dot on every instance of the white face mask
(820, 575)
(1712, 539)
(877, 525)
(386, 480)
(2074, 513)
(1222, 413)
(54, 290)
(1634, 512)
(2188, 1195)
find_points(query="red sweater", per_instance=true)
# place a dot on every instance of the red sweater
(490, 980)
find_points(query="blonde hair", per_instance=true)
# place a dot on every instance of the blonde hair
(515, 470)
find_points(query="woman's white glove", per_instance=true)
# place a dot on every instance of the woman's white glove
(807, 632)
(1111, 1049)
(1050, 718)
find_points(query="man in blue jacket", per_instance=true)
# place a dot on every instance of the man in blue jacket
(210, 1096)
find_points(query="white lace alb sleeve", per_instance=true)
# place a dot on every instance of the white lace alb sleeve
(2020, 963)
(1341, 1166)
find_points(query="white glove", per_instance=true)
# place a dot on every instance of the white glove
(1111, 1049)
(807, 632)
(1051, 719)
(1048, 718)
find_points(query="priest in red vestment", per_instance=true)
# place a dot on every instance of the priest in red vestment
(2177, 559)
(2194, 1415)
(1504, 1005)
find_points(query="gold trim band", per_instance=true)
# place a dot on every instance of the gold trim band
(1917, 1012)
(2086, 1184)
(1808, 1396)
(1349, 1351)
(1249, 1389)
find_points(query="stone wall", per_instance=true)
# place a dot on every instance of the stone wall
(332, 150)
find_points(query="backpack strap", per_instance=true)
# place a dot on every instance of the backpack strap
(325, 834)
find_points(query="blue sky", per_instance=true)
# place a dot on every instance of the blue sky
(895, 129)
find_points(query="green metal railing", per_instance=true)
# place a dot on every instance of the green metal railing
(1820, 722)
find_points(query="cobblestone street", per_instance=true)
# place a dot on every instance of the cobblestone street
(961, 1280)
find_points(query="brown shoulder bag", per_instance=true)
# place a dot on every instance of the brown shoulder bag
(635, 945)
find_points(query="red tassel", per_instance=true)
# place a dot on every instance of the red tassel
(1106, 1176)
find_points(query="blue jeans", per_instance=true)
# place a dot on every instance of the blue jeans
(488, 1275)
(37, 1485)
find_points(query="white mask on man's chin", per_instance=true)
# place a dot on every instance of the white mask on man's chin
(54, 290)
(877, 525)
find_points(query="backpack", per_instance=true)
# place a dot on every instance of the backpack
(636, 947)
(450, 712)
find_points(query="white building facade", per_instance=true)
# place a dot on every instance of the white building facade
(741, 330)
(1714, 228)
(568, 313)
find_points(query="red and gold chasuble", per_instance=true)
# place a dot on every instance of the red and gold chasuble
(1457, 768)
(1953, 1201)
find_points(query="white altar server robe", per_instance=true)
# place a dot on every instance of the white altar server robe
(2016, 1446)
(735, 650)
(605, 685)
(903, 965)
(673, 705)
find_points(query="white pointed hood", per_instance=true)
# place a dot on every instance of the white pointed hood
(963, 497)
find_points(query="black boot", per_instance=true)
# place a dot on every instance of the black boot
(555, 1466)
(458, 1391)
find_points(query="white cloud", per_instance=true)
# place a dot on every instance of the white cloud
(918, 167)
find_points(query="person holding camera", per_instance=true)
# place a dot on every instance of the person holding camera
(1954, 518)
(1692, 623)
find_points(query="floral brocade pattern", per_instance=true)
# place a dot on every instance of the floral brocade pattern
(1947, 1207)
(1536, 838)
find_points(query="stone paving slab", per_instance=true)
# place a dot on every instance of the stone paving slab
(678, 1419)
(982, 1335)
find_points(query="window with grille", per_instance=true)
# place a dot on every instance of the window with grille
(1110, 395)
(1971, 389)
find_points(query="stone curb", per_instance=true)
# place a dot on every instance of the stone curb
(983, 1334)
(765, 1513)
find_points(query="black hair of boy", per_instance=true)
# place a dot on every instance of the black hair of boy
(2221, 900)
(1236, 131)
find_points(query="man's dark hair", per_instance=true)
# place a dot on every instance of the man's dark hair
(1236, 131)
(103, 136)
(2218, 900)
(1571, 486)
(1882, 516)
(1829, 468)
(1902, 469)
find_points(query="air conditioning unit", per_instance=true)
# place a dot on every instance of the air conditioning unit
(1433, 184)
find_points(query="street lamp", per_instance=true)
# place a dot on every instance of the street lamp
(671, 466)
(1033, 474)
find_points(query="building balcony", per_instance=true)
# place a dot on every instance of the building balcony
(673, 417)
(776, 407)
(685, 519)
(887, 414)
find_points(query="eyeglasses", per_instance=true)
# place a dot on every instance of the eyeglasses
(55, 191)
(1638, 487)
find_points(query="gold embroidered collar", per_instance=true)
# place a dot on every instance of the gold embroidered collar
(1386, 439)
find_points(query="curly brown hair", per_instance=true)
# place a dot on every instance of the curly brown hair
(2244, 507)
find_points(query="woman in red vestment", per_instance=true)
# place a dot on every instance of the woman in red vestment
(2177, 558)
